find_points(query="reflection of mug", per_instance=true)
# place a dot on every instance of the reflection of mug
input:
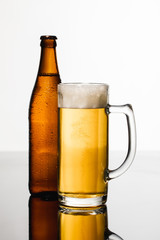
(91, 223)
(83, 143)
(47, 221)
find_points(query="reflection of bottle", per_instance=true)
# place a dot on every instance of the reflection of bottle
(43, 218)
(43, 122)
(86, 224)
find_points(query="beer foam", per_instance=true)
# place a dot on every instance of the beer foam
(82, 95)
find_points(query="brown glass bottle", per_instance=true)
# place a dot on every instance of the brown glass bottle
(43, 218)
(43, 122)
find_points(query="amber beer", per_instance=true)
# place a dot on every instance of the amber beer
(83, 141)
(43, 122)
(83, 155)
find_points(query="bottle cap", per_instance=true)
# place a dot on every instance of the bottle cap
(48, 37)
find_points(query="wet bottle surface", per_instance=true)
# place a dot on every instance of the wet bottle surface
(43, 122)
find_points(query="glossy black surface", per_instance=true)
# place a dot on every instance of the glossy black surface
(133, 201)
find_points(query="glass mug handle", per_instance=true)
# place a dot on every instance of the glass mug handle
(128, 111)
(113, 236)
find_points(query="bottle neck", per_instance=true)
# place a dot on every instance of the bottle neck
(48, 60)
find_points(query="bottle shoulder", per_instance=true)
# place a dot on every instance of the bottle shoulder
(46, 83)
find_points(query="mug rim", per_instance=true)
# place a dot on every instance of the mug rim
(83, 83)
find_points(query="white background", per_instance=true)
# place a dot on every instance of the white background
(112, 41)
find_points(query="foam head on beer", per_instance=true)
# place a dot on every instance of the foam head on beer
(74, 95)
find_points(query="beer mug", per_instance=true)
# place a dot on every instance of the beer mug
(83, 173)
(85, 223)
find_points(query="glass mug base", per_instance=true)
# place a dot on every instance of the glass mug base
(82, 202)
